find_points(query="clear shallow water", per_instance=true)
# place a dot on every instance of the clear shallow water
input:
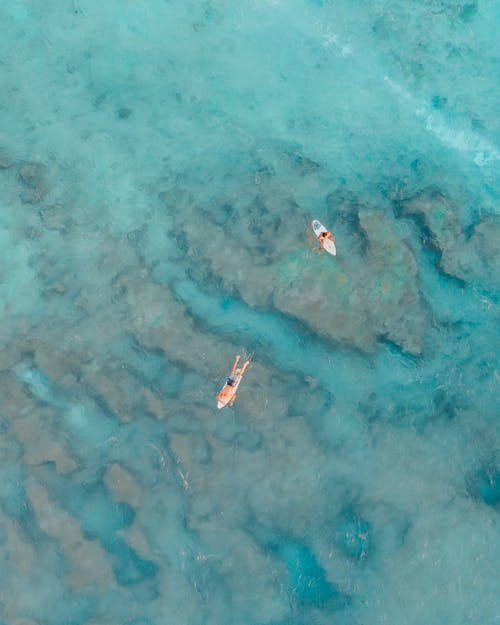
(159, 168)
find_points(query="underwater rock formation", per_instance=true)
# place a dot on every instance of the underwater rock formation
(353, 299)
(100, 518)
(466, 258)
(32, 175)
(57, 217)
(89, 564)
(485, 243)
(439, 218)
(5, 161)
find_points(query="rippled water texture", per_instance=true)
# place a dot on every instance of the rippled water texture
(160, 163)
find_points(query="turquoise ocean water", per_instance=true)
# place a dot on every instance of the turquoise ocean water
(160, 162)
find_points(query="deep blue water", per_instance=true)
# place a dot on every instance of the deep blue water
(159, 165)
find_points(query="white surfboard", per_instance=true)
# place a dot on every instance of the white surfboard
(328, 244)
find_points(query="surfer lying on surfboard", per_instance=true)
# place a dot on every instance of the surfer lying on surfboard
(227, 395)
(325, 238)
(325, 235)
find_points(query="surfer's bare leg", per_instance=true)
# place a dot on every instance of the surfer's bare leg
(245, 367)
(235, 366)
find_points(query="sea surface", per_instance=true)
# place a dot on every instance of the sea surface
(160, 164)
